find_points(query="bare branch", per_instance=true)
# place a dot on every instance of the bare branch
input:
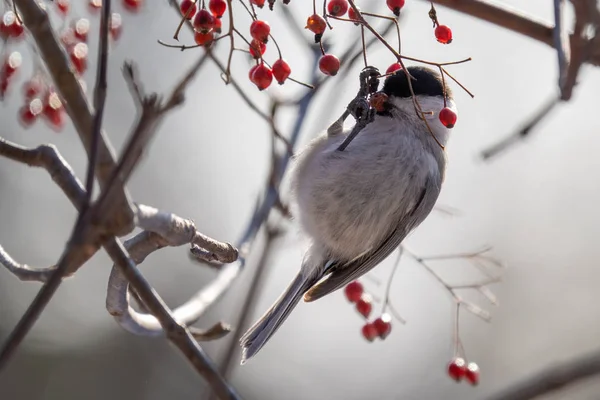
(503, 16)
(516, 21)
(553, 378)
(521, 134)
(23, 271)
(559, 44)
(47, 157)
(179, 335)
(177, 231)
(99, 99)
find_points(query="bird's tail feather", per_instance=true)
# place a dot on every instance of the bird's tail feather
(256, 337)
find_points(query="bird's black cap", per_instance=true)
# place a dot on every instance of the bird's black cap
(426, 82)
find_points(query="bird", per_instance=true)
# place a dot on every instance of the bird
(356, 206)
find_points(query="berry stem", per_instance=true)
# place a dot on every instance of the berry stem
(276, 44)
(231, 42)
(308, 85)
(443, 85)
(394, 20)
(183, 19)
(457, 82)
(19, 20)
(325, 14)
(364, 47)
(386, 299)
(433, 15)
(251, 13)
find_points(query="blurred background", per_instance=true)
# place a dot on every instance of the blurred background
(536, 204)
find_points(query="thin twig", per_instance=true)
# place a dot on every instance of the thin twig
(552, 378)
(557, 37)
(179, 335)
(99, 98)
(522, 133)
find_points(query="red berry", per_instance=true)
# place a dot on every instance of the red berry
(17, 29)
(443, 34)
(383, 325)
(354, 291)
(337, 8)
(10, 25)
(369, 332)
(352, 14)
(364, 305)
(8, 20)
(329, 64)
(63, 6)
(260, 30)
(29, 112)
(68, 38)
(188, 6)
(81, 29)
(33, 87)
(316, 24)
(217, 7)
(133, 5)
(281, 71)
(457, 369)
(395, 6)
(95, 5)
(54, 111)
(204, 21)
(448, 117)
(472, 373)
(79, 54)
(115, 24)
(218, 25)
(262, 77)
(11, 64)
(393, 68)
(257, 48)
(203, 39)
(251, 73)
(258, 3)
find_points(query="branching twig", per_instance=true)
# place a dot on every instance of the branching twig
(99, 98)
(474, 256)
(161, 230)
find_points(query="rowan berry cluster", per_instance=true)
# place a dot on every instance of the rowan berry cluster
(381, 326)
(206, 23)
(41, 100)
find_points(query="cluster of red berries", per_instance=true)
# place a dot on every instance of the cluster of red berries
(380, 327)
(206, 23)
(41, 99)
(458, 369)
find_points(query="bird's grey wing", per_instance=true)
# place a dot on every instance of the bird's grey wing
(342, 274)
